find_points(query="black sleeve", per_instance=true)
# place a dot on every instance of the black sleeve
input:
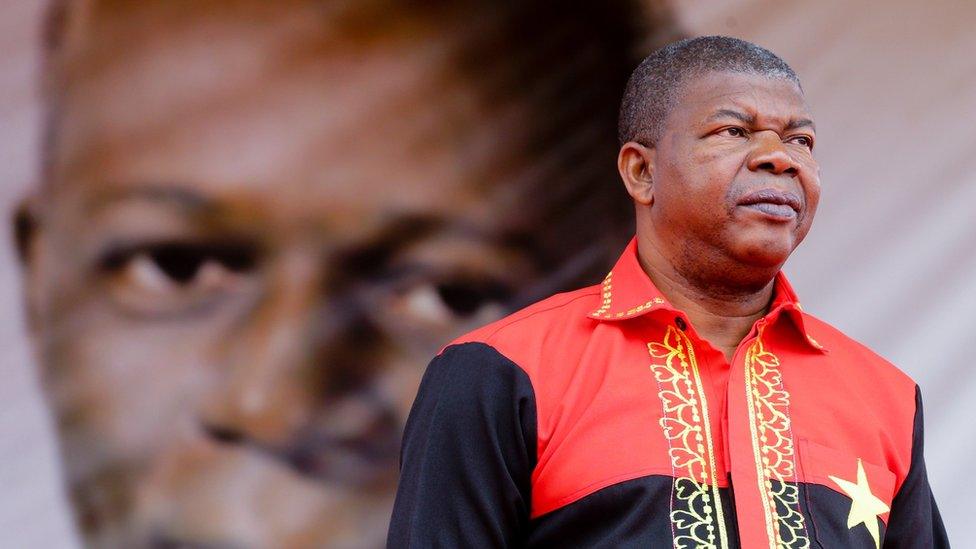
(468, 451)
(914, 520)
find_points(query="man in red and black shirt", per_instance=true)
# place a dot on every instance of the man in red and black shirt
(687, 400)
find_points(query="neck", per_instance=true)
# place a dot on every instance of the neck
(721, 313)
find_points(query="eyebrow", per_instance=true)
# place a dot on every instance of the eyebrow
(399, 233)
(183, 196)
(793, 124)
(729, 113)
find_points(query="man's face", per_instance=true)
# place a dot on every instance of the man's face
(256, 236)
(735, 181)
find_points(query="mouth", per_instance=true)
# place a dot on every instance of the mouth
(164, 541)
(222, 496)
(367, 463)
(782, 205)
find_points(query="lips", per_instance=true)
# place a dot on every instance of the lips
(773, 202)
(333, 489)
(366, 460)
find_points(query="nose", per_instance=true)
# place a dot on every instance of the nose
(263, 389)
(296, 374)
(301, 380)
(771, 156)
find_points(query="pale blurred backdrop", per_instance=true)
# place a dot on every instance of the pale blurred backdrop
(890, 259)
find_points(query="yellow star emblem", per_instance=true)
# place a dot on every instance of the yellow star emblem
(865, 506)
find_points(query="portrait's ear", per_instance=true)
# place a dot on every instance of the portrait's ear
(27, 229)
(635, 162)
(24, 228)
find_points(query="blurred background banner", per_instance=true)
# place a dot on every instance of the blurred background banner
(220, 184)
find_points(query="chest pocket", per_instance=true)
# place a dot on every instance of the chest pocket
(846, 497)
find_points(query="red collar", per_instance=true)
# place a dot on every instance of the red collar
(627, 292)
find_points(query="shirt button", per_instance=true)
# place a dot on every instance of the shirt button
(680, 323)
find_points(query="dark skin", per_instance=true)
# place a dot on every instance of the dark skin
(231, 298)
(723, 197)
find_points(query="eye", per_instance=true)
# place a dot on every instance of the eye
(802, 140)
(167, 277)
(464, 298)
(448, 301)
(733, 131)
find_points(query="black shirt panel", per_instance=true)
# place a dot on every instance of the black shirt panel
(469, 451)
(469, 448)
(914, 520)
(630, 514)
(827, 511)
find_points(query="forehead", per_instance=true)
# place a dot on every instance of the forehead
(767, 99)
(280, 107)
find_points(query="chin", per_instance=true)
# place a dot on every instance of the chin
(197, 522)
(766, 253)
(208, 495)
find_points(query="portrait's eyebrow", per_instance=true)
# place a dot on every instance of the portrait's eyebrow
(729, 113)
(400, 232)
(184, 197)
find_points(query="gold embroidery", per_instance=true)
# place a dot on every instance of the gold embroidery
(605, 306)
(642, 306)
(685, 424)
(772, 443)
(607, 296)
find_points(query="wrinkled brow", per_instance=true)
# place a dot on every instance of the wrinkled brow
(795, 123)
(749, 119)
(182, 196)
(729, 113)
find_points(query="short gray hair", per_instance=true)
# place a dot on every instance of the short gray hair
(654, 85)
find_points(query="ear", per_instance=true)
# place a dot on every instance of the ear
(24, 228)
(27, 229)
(635, 162)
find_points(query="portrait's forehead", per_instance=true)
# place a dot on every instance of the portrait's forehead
(236, 106)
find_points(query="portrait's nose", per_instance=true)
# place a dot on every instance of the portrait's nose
(265, 387)
(296, 379)
(772, 156)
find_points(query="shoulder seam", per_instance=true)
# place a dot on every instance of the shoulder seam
(489, 346)
(533, 313)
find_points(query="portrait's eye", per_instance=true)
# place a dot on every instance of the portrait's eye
(464, 298)
(450, 300)
(169, 277)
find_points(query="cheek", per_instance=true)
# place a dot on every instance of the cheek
(713, 170)
(694, 168)
(810, 181)
(120, 389)
(398, 381)
(695, 194)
